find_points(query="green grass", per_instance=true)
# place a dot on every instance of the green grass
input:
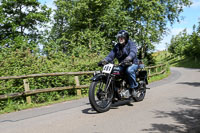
(185, 62)
(176, 61)
(159, 77)
(160, 57)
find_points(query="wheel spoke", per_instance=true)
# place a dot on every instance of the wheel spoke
(102, 98)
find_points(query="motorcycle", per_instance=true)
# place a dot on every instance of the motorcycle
(111, 85)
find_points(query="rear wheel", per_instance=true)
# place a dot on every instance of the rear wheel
(141, 92)
(100, 98)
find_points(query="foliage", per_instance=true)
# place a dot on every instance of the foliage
(24, 62)
(145, 20)
(184, 44)
(187, 62)
(177, 61)
(21, 18)
(179, 42)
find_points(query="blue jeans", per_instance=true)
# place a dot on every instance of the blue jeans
(131, 73)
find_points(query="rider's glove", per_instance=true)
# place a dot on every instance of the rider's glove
(103, 62)
(128, 59)
(126, 62)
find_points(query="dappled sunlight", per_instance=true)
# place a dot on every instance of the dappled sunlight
(188, 120)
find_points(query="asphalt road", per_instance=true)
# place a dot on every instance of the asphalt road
(172, 105)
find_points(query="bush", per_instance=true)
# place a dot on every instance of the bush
(25, 62)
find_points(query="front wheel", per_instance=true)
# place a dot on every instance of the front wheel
(100, 96)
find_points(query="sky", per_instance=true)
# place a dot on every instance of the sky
(190, 14)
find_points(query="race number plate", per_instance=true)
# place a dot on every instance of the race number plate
(108, 68)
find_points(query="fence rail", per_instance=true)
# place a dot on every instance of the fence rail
(47, 75)
(77, 86)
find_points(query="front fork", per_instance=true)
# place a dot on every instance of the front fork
(108, 89)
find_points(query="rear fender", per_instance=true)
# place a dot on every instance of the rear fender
(143, 75)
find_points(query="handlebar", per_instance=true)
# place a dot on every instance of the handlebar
(141, 66)
(125, 63)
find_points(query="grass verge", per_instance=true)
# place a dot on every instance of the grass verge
(159, 77)
(185, 62)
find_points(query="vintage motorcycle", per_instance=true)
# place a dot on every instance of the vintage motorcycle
(111, 85)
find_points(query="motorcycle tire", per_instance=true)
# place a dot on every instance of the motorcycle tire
(141, 92)
(140, 96)
(99, 99)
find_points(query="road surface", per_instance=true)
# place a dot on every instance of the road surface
(172, 105)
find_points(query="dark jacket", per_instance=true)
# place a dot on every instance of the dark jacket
(128, 51)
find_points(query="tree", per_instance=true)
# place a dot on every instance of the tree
(22, 19)
(77, 22)
(187, 45)
(149, 19)
(193, 49)
(179, 43)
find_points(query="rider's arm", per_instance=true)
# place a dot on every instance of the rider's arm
(111, 55)
(133, 51)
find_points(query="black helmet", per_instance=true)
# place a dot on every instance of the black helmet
(124, 34)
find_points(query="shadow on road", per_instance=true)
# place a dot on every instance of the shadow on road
(188, 119)
(195, 84)
(113, 106)
(89, 111)
(122, 103)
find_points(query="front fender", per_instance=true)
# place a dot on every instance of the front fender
(98, 77)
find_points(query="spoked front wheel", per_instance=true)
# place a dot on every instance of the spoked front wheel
(100, 96)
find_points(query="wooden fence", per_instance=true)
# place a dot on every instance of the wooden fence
(158, 69)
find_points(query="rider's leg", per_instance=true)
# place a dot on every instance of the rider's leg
(131, 72)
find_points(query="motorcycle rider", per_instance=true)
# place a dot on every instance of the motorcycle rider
(125, 51)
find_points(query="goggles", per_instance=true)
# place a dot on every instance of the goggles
(120, 35)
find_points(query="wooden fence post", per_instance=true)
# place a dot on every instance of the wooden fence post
(27, 88)
(149, 71)
(195, 59)
(165, 68)
(161, 68)
(78, 84)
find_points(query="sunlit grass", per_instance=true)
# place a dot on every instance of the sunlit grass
(186, 62)
(159, 77)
